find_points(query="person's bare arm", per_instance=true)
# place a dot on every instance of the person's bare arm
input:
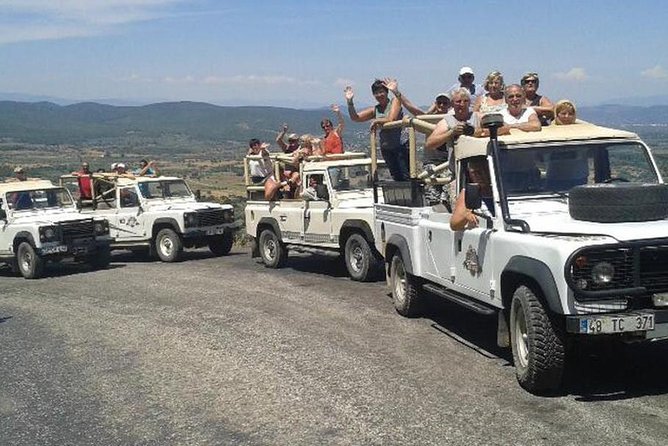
(532, 126)
(477, 104)
(362, 116)
(462, 218)
(545, 108)
(339, 117)
(393, 86)
(280, 136)
(441, 134)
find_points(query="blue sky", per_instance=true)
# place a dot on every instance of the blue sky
(303, 53)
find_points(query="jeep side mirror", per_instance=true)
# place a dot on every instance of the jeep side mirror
(472, 197)
(3, 214)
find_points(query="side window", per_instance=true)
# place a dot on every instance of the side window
(129, 197)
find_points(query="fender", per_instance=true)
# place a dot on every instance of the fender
(360, 225)
(402, 246)
(269, 221)
(539, 272)
(165, 221)
(23, 235)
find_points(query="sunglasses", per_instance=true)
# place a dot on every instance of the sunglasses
(530, 81)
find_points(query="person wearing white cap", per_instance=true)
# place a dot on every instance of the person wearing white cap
(466, 78)
(20, 173)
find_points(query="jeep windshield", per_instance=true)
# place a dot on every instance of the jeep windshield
(164, 189)
(51, 198)
(555, 169)
(355, 177)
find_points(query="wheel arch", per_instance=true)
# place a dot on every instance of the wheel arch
(164, 222)
(536, 275)
(350, 227)
(397, 243)
(23, 236)
(266, 223)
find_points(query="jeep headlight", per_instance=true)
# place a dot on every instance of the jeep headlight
(602, 273)
(190, 219)
(48, 233)
(228, 216)
(101, 227)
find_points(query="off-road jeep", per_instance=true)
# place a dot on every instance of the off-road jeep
(337, 217)
(159, 215)
(571, 245)
(39, 222)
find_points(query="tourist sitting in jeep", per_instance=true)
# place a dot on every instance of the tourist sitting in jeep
(477, 172)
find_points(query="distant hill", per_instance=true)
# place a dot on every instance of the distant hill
(86, 123)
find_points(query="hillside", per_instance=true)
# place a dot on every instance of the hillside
(196, 122)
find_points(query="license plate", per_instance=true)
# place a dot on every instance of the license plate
(617, 324)
(54, 249)
(215, 231)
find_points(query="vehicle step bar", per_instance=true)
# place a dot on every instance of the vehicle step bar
(459, 299)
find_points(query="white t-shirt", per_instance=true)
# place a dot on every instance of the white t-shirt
(524, 117)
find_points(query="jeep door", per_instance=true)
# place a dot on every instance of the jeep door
(472, 261)
(317, 214)
(126, 223)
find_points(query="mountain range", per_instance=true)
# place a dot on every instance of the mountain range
(88, 122)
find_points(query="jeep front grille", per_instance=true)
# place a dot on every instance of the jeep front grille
(77, 229)
(213, 217)
(640, 270)
(654, 268)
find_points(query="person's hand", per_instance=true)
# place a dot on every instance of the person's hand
(336, 109)
(391, 84)
(285, 128)
(264, 146)
(471, 220)
(375, 124)
(349, 93)
(458, 130)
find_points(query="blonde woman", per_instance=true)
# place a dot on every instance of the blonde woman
(564, 113)
(492, 101)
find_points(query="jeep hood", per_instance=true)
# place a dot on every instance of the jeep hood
(183, 205)
(48, 217)
(553, 217)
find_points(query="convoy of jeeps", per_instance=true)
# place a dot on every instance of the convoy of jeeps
(571, 244)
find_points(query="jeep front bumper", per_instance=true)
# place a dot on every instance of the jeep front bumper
(651, 324)
(74, 248)
(210, 231)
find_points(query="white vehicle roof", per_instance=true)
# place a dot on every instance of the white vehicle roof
(468, 146)
(15, 186)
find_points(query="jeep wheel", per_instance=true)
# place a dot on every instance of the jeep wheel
(30, 264)
(538, 344)
(101, 259)
(272, 251)
(361, 262)
(221, 245)
(405, 293)
(168, 245)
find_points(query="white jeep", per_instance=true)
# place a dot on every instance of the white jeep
(337, 216)
(39, 222)
(159, 215)
(571, 244)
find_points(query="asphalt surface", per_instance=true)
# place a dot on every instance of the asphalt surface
(222, 351)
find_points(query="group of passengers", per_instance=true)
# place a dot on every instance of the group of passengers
(118, 170)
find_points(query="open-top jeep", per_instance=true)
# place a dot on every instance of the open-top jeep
(39, 222)
(571, 244)
(337, 216)
(158, 215)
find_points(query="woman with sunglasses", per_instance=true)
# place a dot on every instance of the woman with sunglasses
(541, 104)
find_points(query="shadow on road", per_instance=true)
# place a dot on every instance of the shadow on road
(58, 269)
(188, 255)
(598, 371)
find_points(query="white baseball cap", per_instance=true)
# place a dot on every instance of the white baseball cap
(465, 70)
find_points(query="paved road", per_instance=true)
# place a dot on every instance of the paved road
(224, 351)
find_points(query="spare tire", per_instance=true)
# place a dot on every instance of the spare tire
(619, 202)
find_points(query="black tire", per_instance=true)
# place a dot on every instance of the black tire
(538, 344)
(30, 264)
(361, 260)
(272, 251)
(222, 244)
(618, 202)
(101, 259)
(406, 295)
(168, 245)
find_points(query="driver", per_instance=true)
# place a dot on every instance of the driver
(477, 173)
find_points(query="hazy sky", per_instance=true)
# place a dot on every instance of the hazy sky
(302, 53)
